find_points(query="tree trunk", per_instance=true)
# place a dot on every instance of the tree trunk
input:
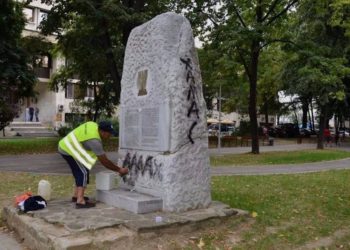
(266, 110)
(253, 78)
(296, 115)
(322, 124)
(305, 108)
(252, 95)
(312, 115)
(96, 100)
(336, 124)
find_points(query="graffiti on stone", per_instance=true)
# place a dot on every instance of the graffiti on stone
(137, 166)
(191, 96)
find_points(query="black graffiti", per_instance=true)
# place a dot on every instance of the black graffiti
(191, 96)
(190, 78)
(190, 132)
(137, 167)
(187, 62)
(191, 93)
(193, 109)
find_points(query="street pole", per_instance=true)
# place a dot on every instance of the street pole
(219, 133)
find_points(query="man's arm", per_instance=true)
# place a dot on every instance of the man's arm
(110, 165)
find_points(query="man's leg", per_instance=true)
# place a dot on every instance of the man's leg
(80, 195)
(81, 175)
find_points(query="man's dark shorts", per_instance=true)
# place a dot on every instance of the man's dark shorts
(80, 172)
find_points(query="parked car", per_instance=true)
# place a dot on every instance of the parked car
(287, 130)
(304, 132)
(226, 129)
(344, 132)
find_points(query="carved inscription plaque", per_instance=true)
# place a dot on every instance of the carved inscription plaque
(145, 128)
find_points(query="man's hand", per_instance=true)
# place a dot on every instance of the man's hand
(123, 171)
(110, 165)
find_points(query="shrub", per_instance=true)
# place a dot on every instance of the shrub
(64, 130)
(244, 128)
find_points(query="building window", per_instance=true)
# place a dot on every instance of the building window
(42, 66)
(29, 14)
(42, 16)
(43, 61)
(90, 92)
(69, 91)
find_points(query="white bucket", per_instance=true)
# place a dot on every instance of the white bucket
(44, 189)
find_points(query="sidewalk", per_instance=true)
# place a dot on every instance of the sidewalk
(242, 150)
(8, 242)
(54, 163)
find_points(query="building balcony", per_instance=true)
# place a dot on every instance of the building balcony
(42, 72)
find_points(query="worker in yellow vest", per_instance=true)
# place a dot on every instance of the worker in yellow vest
(81, 148)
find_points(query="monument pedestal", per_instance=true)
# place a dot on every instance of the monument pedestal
(129, 200)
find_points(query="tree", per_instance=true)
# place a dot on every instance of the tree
(218, 69)
(92, 35)
(17, 78)
(269, 82)
(319, 65)
(245, 29)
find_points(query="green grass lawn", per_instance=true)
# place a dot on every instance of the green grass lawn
(292, 210)
(299, 208)
(28, 146)
(268, 158)
(41, 145)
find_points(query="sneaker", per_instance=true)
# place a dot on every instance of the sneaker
(74, 199)
(86, 205)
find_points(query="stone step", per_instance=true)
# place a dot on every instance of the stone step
(29, 129)
(36, 134)
(131, 201)
(25, 124)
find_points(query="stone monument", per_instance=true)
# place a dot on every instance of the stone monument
(163, 129)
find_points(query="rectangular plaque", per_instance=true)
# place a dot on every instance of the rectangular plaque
(146, 128)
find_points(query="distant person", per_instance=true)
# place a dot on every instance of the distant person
(336, 139)
(36, 112)
(265, 133)
(327, 136)
(31, 113)
(26, 115)
(81, 148)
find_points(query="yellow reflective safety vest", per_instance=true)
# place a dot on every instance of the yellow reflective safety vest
(72, 143)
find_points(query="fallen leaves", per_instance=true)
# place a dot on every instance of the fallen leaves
(254, 214)
(201, 243)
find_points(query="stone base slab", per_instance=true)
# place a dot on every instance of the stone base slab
(60, 226)
(131, 201)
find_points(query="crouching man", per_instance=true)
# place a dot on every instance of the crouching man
(81, 148)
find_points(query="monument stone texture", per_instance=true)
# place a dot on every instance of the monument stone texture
(163, 129)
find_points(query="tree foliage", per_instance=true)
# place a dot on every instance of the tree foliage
(318, 65)
(92, 36)
(16, 76)
(244, 29)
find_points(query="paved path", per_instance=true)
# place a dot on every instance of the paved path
(54, 164)
(8, 242)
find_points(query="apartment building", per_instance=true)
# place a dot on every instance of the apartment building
(54, 107)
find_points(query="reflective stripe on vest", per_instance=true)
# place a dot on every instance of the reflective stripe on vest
(73, 143)
(78, 151)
